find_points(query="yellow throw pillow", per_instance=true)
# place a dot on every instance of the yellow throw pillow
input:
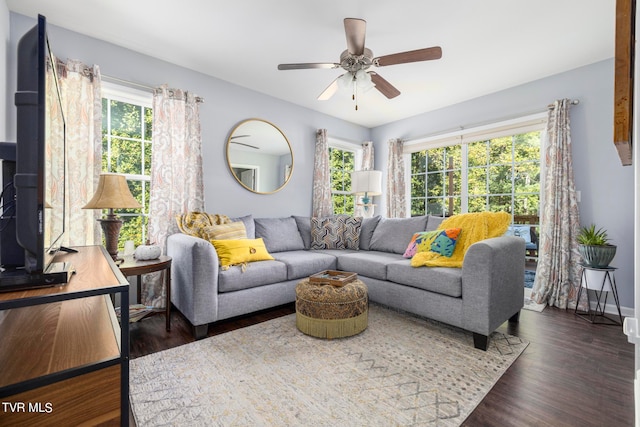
(229, 231)
(240, 251)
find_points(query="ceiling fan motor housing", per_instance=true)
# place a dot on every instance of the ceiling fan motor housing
(355, 63)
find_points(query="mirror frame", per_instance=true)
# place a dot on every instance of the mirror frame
(228, 145)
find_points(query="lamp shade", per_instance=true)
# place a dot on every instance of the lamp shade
(112, 193)
(368, 181)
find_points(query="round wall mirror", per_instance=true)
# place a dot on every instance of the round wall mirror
(259, 156)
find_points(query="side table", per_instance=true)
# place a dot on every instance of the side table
(134, 267)
(599, 281)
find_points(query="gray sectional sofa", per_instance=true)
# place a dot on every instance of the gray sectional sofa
(487, 291)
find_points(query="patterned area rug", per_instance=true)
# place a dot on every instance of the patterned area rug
(402, 370)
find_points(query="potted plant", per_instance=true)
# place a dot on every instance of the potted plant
(594, 247)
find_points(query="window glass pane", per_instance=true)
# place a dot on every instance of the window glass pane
(435, 159)
(418, 185)
(500, 179)
(417, 207)
(452, 183)
(477, 154)
(500, 150)
(453, 157)
(148, 121)
(147, 158)
(500, 203)
(527, 177)
(435, 206)
(477, 181)
(125, 157)
(477, 203)
(419, 162)
(132, 227)
(526, 205)
(435, 184)
(126, 119)
(527, 146)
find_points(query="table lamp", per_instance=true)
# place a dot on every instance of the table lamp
(366, 183)
(112, 193)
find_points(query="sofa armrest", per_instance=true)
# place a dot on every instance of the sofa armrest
(492, 283)
(194, 278)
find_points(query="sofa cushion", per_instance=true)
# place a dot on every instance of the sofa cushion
(442, 280)
(335, 232)
(249, 225)
(257, 273)
(433, 222)
(394, 234)
(366, 231)
(279, 234)
(305, 263)
(304, 227)
(370, 263)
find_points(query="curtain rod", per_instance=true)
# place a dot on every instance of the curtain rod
(148, 88)
(573, 102)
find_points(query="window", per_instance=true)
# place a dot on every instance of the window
(342, 163)
(473, 172)
(126, 149)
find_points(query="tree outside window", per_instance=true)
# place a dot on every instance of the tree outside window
(126, 149)
(342, 163)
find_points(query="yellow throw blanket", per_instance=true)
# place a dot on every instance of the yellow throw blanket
(475, 227)
(193, 223)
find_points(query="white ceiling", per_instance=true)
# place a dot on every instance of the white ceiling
(487, 45)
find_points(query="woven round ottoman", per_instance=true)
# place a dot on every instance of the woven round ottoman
(327, 311)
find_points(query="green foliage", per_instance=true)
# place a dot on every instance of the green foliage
(502, 174)
(127, 149)
(342, 163)
(589, 236)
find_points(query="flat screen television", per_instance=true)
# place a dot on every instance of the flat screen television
(33, 208)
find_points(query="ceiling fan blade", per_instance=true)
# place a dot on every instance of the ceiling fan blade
(304, 66)
(330, 90)
(386, 88)
(355, 29)
(426, 54)
(246, 145)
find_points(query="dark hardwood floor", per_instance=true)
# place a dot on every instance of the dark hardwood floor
(572, 373)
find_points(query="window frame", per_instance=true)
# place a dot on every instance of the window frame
(144, 99)
(465, 136)
(356, 149)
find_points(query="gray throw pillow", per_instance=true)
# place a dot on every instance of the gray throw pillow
(304, 227)
(433, 222)
(394, 234)
(279, 234)
(366, 232)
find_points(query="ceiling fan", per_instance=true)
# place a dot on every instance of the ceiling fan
(357, 59)
(242, 143)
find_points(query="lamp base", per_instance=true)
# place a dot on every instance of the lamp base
(111, 226)
(367, 209)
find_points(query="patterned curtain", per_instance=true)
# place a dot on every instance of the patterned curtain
(366, 164)
(396, 190)
(176, 171)
(322, 203)
(82, 106)
(558, 272)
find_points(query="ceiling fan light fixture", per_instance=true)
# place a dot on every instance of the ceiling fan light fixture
(346, 80)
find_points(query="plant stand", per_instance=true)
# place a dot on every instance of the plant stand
(589, 282)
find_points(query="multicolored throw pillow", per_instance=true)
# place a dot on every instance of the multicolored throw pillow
(420, 242)
(445, 241)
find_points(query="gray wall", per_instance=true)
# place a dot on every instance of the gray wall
(607, 188)
(224, 107)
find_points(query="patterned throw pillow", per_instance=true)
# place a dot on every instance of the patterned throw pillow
(445, 241)
(336, 232)
(228, 231)
(439, 241)
(423, 239)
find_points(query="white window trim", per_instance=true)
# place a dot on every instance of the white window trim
(464, 136)
(126, 94)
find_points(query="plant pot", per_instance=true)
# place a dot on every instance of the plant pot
(597, 256)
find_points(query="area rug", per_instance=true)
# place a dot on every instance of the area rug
(402, 370)
(529, 304)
